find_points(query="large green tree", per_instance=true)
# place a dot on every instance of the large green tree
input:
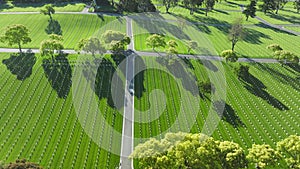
(91, 45)
(279, 4)
(115, 40)
(48, 10)
(169, 4)
(268, 5)
(155, 41)
(192, 5)
(290, 149)
(49, 46)
(263, 155)
(236, 33)
(209, 5)
(229, 55)
(250, 10)
(16, 34)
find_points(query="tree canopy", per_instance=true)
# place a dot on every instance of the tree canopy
(49, 46)
(48, 10)
(250, 10)
(290, 148)
(16, 34)
(155, 41)
(236, 33)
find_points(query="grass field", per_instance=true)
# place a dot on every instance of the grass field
(38, 119)
(73, 26)
(260, 109)
(36, 7)
(213, 38)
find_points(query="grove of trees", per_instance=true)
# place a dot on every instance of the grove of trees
(186, 150)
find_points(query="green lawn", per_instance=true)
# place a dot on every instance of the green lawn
(285, 16)
(73, 26)
(38, 118)
(36, 7)
(213, 38)
(260, 109)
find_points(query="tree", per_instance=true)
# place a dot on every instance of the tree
(267, 5)
(23, 164)
(48, 46)
(115, 40)
(192, 4)
(205, 87)
(290, 149)
(48, 10)
(229, 55)
(285, 57)
(279, 4)
(297, 5)
(250, 10)
(91, 45)
(16, 34)
(274, 47)
(236, 33)
(232, 155)
(155, 41)
(169, 4)
(209, 5)
(263, 155)
(186, 150)
(192, 45)
(242, 71)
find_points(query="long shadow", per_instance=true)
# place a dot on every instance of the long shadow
(282, 78)
(20, 64)
(254, 36)
(228, 114)
(139, 87)
(282, 17)
(257, 88)
(179, 70)
(53, 27)
(102, 84)
(273, 29)
(295, 67)
(59, 74)
(155, 23)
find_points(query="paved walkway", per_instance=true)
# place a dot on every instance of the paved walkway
(128, 115)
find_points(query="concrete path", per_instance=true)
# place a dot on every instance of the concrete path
(128, 116)
(157, 54)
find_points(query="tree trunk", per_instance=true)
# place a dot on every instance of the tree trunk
(52, 58)
(50, 17)
(277, 9)
(247, 17)
(20, 49)
(167, 9)
(206, 11)
(232, 46)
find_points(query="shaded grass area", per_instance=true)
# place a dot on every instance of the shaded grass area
(36, 7)
(42, 126)
(73, 27)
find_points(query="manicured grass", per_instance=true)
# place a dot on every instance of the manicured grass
(36, 7)
(73, 26)
(285, 16)
(38, 118)
(293, 28)
(260, 109)
(214, 38)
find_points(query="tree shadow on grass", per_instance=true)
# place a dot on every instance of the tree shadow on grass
(20, 64)
(179, 69)
(257, 88)
(59, 74)
(282, 78)
(273, 29)
(102, 84)
(53, 27)
(228, 114)
(254, 36)
(286, 18)
(139, 87)
(155, 23)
